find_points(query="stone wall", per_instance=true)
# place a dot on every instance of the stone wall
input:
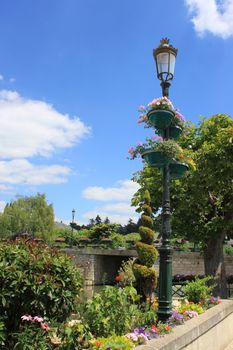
(211, 330)
(101, 265)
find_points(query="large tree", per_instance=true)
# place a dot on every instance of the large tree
(28, 214)
(202, 202)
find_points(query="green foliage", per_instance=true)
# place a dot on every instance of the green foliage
(147, 253)
(198, 291)
(28, 214)
(228, 249)
(31, 337)
(36, 279)
(208, 190)
(2, 333)
(147, 235)
(126, 274)
(117, 240)
(134, 236)
(146, 220)
(113, 310)
(193, 307)
(143, 272)
(113, 342)
(102, 231)
(74, 334)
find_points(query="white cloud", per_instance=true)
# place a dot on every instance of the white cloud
(1, 77)
(2, 206)
(122, 192)
(32, 127)
(119, 212)
(4, 188)
(114, 218)
(212, 16)
(124, 208)
(21, 171)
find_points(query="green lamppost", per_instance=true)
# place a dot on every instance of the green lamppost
(165, 56)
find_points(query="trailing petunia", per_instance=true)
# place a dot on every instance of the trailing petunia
(160, 103)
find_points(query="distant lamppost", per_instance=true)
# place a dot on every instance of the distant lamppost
(165, 57)
(73, 214)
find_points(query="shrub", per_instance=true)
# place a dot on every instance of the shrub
(126, 275)
(191, 307)
(113, 310)
(36, 280)
(74, 334)
(144, 272)
(228, 249)
(33, 334)
(133, 236)
(113, 342)
(117, 240)
(198, 291)
(2, 333)
(102, 231)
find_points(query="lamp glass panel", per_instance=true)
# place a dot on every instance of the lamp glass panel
(162, 62)
(172, 63)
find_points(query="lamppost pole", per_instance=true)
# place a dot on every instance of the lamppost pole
(165, 56)
(73, 214)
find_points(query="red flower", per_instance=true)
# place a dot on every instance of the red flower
(118, 278)
(44, 326)
(97, 343)
(154, 329)
(168, 328)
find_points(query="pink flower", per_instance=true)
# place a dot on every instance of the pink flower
(153, 137)
(141, 107)
(38, 319)
(26, 318)
(45, 326)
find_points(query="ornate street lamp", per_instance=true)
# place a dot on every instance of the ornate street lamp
(73, 214)
(165, 56)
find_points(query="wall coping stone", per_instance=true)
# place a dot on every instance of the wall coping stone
(185, 334)
(100, 251)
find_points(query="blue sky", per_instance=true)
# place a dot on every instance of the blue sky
(72, 73)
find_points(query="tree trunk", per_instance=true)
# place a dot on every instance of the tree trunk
(214, 264)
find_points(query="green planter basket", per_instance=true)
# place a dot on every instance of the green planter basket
(160, 118)
(155, 158)
(174, 132)
(178, 170)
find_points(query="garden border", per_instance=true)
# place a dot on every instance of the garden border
(209, 331)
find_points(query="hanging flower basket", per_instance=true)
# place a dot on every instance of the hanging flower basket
(177, 170)
(174, 132)
(155, 158)
(160, 119)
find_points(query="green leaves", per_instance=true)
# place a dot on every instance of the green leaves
(36, 280)
(111, 311)
(28, 214)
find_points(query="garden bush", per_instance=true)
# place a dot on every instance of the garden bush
(113, 342)
(228, 249)
(36, 280)
(113, 310)
(125, 274)
(144, 272)
(33, 334)
(74, 334)
(198, 291)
